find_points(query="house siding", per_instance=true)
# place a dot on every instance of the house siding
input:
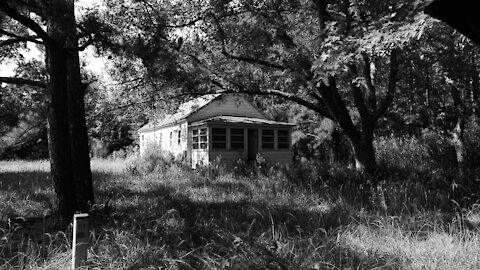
(227, 157)
(231, 157)
(226, 105)
(278, 156)
(152, 139)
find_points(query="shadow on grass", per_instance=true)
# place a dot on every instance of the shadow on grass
(210, 227)
(24, 182)
(251, 233)
(25, 194)
(228, 187)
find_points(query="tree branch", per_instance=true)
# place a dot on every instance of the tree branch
(252, 60)
(369, 75)
(242, 58)
(87, 43)
(392, 85)
(337, 107)
(18, 38)
(31, 24)
(238, 88)
(22, 81)
(355, 86)
(130, 104)
(285, 95)
(359, 101)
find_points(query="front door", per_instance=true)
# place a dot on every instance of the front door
(252, 146)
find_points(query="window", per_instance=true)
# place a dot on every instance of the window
(171, 138)
(179, 132)
(236, 138)
(199, 138)
(283, 139)
(268, 139)
(142, 141)
(219, 138)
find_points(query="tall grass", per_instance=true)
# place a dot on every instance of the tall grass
(166, 216)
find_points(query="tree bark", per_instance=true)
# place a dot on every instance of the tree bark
(67, 132)
(364, 152)
(459, 145)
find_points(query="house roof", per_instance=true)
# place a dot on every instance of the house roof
(241, 120)
(183, 111)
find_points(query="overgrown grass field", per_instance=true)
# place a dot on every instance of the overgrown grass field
(170, 217)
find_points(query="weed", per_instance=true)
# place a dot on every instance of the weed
(172, 217)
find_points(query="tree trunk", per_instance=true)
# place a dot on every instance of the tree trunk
(364, 153)
(459, 145)
(67, 132)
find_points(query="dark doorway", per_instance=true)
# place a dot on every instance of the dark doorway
(252, 144)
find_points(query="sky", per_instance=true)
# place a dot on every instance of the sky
(93, 63)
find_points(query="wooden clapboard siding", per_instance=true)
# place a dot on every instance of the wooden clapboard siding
(152, 138)
(278, 156)
(226, 111)
(227, 157)
(272, 157)
(199, 157)
(231, 105)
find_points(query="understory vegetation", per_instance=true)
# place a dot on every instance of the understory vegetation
(154, 213)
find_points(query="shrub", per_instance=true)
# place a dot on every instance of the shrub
(153, 160)
(403, 152)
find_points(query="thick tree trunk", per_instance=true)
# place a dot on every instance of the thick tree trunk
(58, 138)
(67, 133)
(76, 114)
(364, 153)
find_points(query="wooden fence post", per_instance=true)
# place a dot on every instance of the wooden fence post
(80, 243)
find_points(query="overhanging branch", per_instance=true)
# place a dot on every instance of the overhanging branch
(16, 38)
(31, 24)
(22, 81)
(242, 58)
(285, 95)
(392, 85)
(252, 60)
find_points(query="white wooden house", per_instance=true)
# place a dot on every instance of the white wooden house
(223, 127)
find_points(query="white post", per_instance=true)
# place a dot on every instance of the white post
(80, 240)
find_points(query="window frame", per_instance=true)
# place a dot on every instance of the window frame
(216, 142)
(197, 145)
(237, 140)
(272, 137)
(281, 144)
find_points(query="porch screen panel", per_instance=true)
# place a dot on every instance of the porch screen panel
(283, 140)
(219, 138)
(268, 139)
(236, 138)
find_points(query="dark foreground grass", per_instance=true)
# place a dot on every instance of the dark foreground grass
(182, 219)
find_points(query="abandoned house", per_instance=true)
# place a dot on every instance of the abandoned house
(224, 127)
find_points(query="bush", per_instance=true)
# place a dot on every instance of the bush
(403, 152)
(153, 160)
(124, 153)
